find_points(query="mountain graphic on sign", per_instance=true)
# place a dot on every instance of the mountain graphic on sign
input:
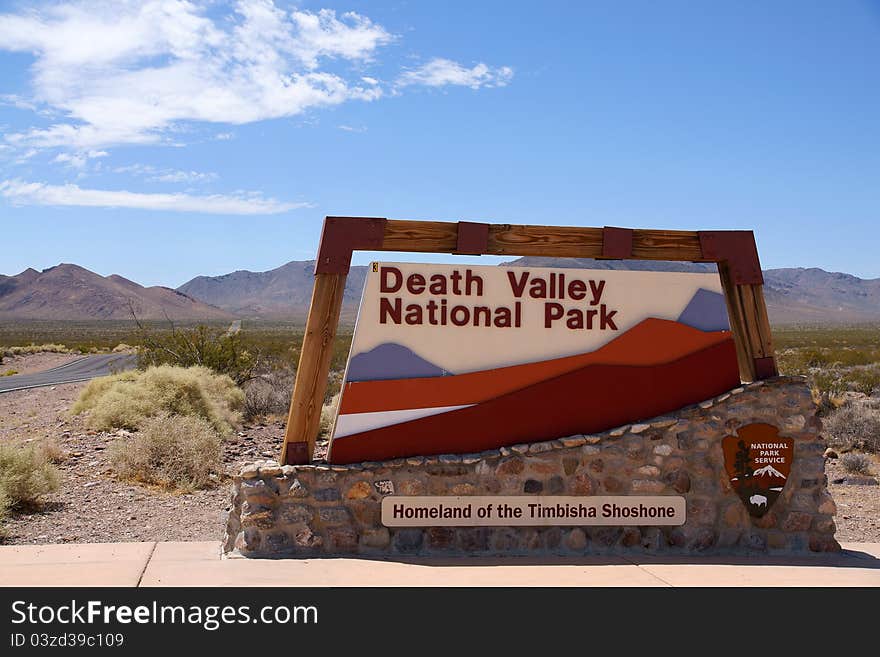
(768, 470)
(706, 311)
(391, 361)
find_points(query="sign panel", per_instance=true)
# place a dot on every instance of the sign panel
(758, 462)
(532, 511)
(455, 359)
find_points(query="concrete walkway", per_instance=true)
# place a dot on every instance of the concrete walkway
(199, 564)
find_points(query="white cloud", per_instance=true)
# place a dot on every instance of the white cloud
(78, 160)
(352, 128)
(223, 136)
(127, 72)
(19, 192)
(17, 101)
(322, 34)
(440, 72)
(26, 155)
(178, 176)
(156, 174)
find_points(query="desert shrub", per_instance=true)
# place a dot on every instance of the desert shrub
(852, 357)
(35, 349)
(25, 475)
(865, 379)
(212, 347)
(328, 414)
(122, 347)
(856, 463)
(334, 384)
(855, 426)
(827, 402)
(829, 381)
(127, 399)
(53, 452)
(175, 452)
(9, 373)
(269, 393)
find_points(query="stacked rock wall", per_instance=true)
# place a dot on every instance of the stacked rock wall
(318, 509)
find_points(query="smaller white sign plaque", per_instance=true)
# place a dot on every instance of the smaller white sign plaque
(532, 510)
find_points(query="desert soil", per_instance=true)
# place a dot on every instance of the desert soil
(91, 505)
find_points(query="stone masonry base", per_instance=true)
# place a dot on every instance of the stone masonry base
(314, 510)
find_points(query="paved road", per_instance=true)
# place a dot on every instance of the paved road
(82, 369)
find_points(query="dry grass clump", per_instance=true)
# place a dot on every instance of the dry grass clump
(128, 399)
(26, 474)
(854, 426)
(856, 463)
(175, 452)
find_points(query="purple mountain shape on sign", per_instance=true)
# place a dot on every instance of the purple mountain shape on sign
(391, 361)
(706, 311)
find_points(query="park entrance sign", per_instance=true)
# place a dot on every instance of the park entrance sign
(541, 411)
(449, 359)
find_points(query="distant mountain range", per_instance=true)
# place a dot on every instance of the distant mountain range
(72, 292)
(284, 292)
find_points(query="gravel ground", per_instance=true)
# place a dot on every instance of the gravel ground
(92, 506)
(858, 506)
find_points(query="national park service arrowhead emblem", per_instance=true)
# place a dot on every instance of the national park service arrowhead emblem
(758, 462)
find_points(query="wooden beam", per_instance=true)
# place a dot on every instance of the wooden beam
(420, 236)
(666, 245)
(554, 241)
(314, 368)
(550, 241)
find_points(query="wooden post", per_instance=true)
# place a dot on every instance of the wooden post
(314, 368)
(763, 321)
(738, 326)
(754, 309)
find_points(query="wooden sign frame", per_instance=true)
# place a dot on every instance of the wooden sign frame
(734, 251)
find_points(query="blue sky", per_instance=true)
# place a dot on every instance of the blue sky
(162, 139)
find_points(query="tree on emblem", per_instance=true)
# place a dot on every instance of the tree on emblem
(742, 463)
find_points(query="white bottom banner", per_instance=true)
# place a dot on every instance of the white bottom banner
(532, 510)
